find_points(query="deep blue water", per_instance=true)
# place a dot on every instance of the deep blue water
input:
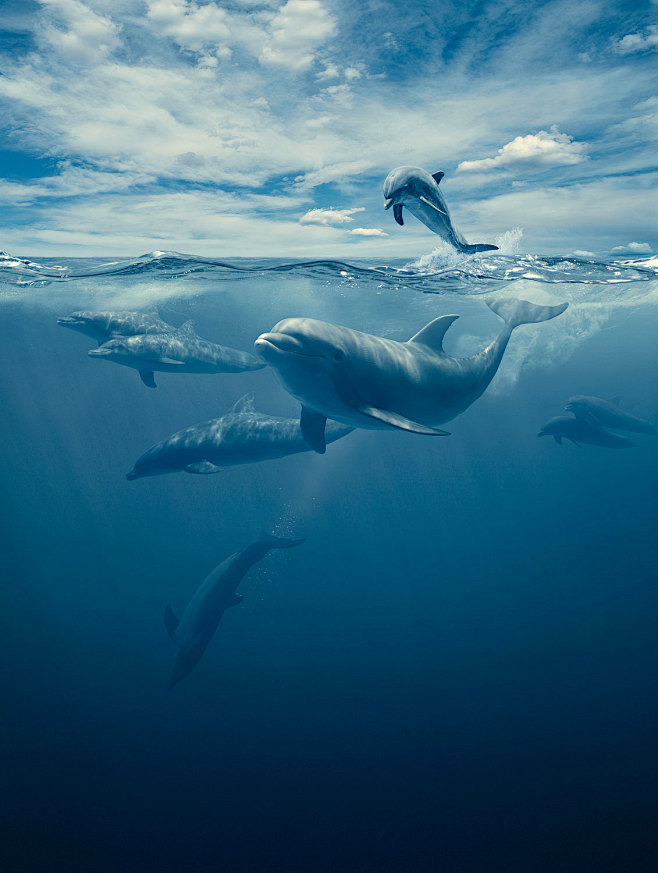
(456, 672)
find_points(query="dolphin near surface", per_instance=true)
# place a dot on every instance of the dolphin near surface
(609, 414)
(371, 382)
(217, 593)
(176, 351)
(242, 436)
(419, 192)
(101, 326)
(583, 430)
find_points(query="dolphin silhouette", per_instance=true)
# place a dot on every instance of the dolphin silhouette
(583, 430)
(370, 382)
(101, 326)
(609, 414)
(242, 436)
(419, 192)
(215, 595)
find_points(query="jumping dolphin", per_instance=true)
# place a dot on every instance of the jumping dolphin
(177, 351)
(419, 192)
(101, 326)
(242, 436)
(608, 413)
(217, 593)
(583, 430)
(371, 382)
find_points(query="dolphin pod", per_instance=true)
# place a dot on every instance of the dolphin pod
(241, 436)
(371, 382)
(583, 430)
(217, 593)
(420, 193)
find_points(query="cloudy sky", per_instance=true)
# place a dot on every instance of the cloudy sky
(267, 127)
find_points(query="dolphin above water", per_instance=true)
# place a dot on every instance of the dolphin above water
(101, 326)
(242, 436)
(370, 382)
(419, 192)
(583, 430)
(215, 595)
(609, 414)
(177, 351)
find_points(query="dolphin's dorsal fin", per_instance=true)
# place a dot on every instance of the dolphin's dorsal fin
(397, 214)
(187, 327)
(244, 404)
(171, 622)
(438, 176)
(432, 334)
(313, 424)
(392, 419)
(234, 600)
(615, 400)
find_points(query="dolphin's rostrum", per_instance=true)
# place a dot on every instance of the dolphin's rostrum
(217, 593)
(420, 193)
(371, 382)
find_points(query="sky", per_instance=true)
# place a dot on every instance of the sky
(267, 127)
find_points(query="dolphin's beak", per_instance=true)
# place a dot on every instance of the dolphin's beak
(269, 344)
(68, 320)
(543, 433)
(389, 203)
(99, 353)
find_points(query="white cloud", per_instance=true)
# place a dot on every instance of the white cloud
(330, 216)
(634, 248)
(536, 150)
(297, 29)
(638, 42)
(368, 231)
(77, 34)
(583, 254)
(189, 25)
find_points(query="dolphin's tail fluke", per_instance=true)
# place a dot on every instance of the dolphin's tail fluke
(515, 312)
(469, 249)
(273, 542)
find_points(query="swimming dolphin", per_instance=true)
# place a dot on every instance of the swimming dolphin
(371, 382)
(217, 593)
(242, 436)
(177, 351)
(419, 192)
(101, 326)
(583, 430)
(608, 413)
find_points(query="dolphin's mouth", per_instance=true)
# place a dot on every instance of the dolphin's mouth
(69, 319)
(99, 353)
(281, 343)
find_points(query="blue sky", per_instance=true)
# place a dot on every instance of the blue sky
(263, 127)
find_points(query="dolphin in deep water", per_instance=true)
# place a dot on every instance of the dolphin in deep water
(242, 436)
(583, 430)
(101, 326)
(177, 351)
(371, 382)
(217, 593)
(609, 414)
(420, 193)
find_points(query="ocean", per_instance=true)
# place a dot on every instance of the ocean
(455, 672)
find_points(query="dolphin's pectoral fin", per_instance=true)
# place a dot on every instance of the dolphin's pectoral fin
(399, 421)
(235, 600)
(148, 378)
(312, 425)
(204, 468)
(433, 205)
(437, 177)
(432, 334)
(170, 361)
(557, 438)
(397, 214)
(171, 622)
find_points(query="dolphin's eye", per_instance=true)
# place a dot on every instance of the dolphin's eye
(339, 355)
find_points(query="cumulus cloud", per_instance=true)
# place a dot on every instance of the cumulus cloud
(297, 29)
(634, 248)
(579, 253)
(638, 42)
(534, 151)
(330, 216)
(368, 231)
(78, 34)
(191, 26)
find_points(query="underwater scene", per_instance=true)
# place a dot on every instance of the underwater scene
(437, 647)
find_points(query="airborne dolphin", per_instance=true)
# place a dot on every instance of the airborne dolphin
(217, 593)
(608, 413)
(419, 192)
(177, 351)
(242, 436)
(371, 382)
(101, 326)
(583, 430)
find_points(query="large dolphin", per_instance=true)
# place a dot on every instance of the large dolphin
(177, 351)
(101, 326)
(217, 593)
(419, 192)
(242, 436)
(583, 430)
(609, 414)
(371, 382)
